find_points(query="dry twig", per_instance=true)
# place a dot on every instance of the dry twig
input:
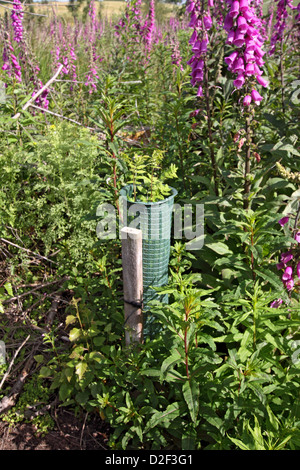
(17, 297)
(9, 400)
(27, 250)
(36, 95)
(13, 361)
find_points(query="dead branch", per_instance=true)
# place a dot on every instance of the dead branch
(13, 361)
(27, 250)
(60, 116)
(42, 286)
(9, 400)
(36, 95)
(100, 134)
(32, 413)
(52, 311)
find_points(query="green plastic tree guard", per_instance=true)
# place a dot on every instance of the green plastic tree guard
(155, 221)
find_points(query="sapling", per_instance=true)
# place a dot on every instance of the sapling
(148, 178)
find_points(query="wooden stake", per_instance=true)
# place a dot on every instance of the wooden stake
(132, 260)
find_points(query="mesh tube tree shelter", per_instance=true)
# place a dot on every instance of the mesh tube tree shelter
(154, 219)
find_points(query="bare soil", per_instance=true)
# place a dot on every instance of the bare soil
(70, 433)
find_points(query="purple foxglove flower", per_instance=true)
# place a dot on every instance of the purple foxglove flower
(248, 14)
(250, 44)
(242, 24)
(281, 23)
(200, 92)
(297, 237)
(286, 257)
(239, 81)
(193, 37)
(203, 46)
(249, 56)
(288, 272)
(258, 51)
(92, 12)
(207, 22)
(256, 96)
(251, 31)
(250, 70)
(193, 20)
(239, 39)
(231, 58)
(228, 22)
(247, 100)
(235, 8)
(244, 5)
(289, 284)
(198, 75)
(283, 221)
(201, 22)
(280, 265)
(230, 37)
(298, 270)
(199, 65)
(195, 113)
(190, 7)
(276, 303)
(17, 18)
(150, 25)
(259, 61)
(238, 66)
(257, 70)
(191, 60)
(196, 46)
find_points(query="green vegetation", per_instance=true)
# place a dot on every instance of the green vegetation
(222, 373)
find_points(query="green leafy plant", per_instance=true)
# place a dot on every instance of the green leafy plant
(35, 395)
(221, 371)
(148, 178)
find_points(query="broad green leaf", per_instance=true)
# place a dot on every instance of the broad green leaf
(169, 362)
(80, 369)
(282, 444)
(288, 148)
(8, 288)
(164, 418)
(39, 358)
(75, 333)
(65, 391)
(45, 372)
(82, 397)
(191, 392)
(219, 248)
(257, 435)
(70, 319)
(272, 418)
(271, 278)
(189, 438)
(275, 341)
(151, 372)
(239, 443)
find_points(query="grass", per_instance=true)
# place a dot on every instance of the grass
(107, 9)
